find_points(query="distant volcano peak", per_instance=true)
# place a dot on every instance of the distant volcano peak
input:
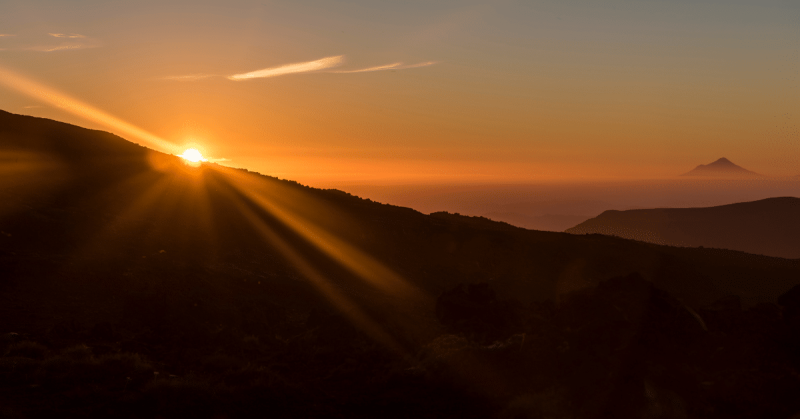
(721, 168)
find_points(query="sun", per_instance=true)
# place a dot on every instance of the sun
(192, 155)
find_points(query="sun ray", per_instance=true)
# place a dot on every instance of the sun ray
(136, 207)
(365, 268)
(320, 282)
(176, 199)
(50, 96)
(356, 261)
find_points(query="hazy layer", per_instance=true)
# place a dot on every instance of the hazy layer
(557, 206)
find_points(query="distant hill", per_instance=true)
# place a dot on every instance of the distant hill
(722, 168)
(767, 227)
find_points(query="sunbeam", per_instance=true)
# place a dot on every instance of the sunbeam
(48, 95)
(356, 261)
(142, 196)
(320, 282)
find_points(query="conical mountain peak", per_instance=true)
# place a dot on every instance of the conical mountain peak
(723, 160)
(722, 168)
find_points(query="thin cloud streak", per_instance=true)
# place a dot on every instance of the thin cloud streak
(305, 67)
(6, 34)
(60, 47)
(61, 35)
(393, 66)
(65, 42)
(418, 65)
(189, 77)
(377, 68)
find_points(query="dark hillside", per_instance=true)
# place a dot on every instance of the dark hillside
(767, 227)
(249, 293)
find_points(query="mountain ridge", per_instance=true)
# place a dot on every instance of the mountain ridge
(768, 226)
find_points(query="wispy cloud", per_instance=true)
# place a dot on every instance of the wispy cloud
(46, 43)
(305, 67)
(189, 77)
(32, 107)
(393, 66)
(51, 48)
(376, 68)
(62, 35)
(417, 65)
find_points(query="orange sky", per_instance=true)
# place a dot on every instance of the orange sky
(452, 91)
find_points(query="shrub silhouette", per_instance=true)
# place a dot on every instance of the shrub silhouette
(27, 349)
(790, 300)
(77, 367)
(179, 397)
(473, 309)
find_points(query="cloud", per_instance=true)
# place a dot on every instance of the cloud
(6, 34)
(51, 48)
(393, 66)
(305, 67)
(189, 77)
(46, 43)
(61, 35)
(425, 64)
(69, 42)
(32, 107)
(377, 68)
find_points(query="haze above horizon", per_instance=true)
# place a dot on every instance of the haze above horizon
(425, 92)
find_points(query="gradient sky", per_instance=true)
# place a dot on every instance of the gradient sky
(421, 91)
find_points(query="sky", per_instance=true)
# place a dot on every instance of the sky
(431, 91)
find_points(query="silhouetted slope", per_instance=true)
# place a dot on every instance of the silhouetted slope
(767, 227)
(721, 168)
(70, 144)
(247, 286)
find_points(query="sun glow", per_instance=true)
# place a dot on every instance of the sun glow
(192, 155)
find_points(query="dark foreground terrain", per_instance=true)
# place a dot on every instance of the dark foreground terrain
(132, 285)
